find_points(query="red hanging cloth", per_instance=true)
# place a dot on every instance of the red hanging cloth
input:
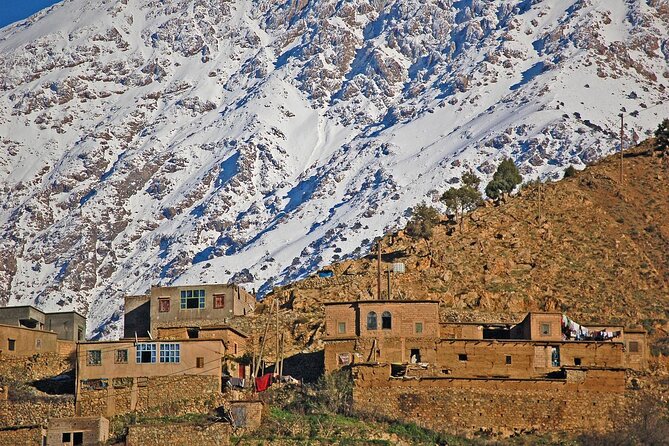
(263, 382)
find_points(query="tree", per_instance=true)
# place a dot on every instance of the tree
(504, 180)
(570, 172)
(422, 221)
(464, 199)
(662, 136)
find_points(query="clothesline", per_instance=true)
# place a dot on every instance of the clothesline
(572, 330)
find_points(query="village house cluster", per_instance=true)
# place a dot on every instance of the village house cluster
(177, 342)
(545, 371)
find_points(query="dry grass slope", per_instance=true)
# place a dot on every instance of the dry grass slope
(586, 245)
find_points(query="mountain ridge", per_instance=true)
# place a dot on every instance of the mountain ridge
(150, 142)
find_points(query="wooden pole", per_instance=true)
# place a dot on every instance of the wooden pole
(622, 146)
(276, 352)
(262, 345)
(389, 295)
(378, 270)
(283, 342)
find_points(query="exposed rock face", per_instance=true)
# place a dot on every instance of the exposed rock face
(151, 141)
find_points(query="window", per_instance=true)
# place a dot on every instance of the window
(94, 384)
(199, 362)
(341, 327)
(219, 300)
(634, 347)
(67, 437)
(94, 357)
(508, 359)
(169, 352)
(415, 355)
(419, 327)
(371, 321)
(192, 299)
(386, 320)
(11, 344)
(235, 348)
(78, 439)
(462, 357)
(545, 329)
(577, 361)
(163, 304)
(121, 356)
(146, 353)
(80, 333)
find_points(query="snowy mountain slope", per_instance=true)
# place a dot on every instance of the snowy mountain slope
(147, 141)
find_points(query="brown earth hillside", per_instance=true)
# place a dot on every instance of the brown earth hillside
(585, 245)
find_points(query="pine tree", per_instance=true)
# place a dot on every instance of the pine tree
(505, 179)
(662, 136)
(422, 221)
(464, 199)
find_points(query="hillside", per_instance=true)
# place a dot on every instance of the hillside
(152, 142)
(584, 245)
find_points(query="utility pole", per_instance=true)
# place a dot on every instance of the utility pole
(378, 270)
(622, 138)
(278, 342)
(388, 272)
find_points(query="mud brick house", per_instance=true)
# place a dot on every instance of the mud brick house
(380, 331)
(115, 377)
(184, 306)
(234, 341)
(545, 372)
(68, 325)
(20, 341)
(26, 331)
(84, 431)
(404, 332)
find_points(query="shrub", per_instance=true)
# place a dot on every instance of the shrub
(662, 136)
(422, 221)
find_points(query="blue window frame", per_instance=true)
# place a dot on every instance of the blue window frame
(169, 352)
(192, 299)
(146, 353)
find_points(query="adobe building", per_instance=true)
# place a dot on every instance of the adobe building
(545, 373)
(235, 343)
(405, 332)
(185, 306)
(20, 341)
(116, 377)
(84, 431)
(68, 325)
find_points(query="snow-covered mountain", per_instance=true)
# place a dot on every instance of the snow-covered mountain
(187, 141)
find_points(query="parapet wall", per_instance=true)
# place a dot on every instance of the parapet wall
(34, 367)
(165, 395)
(180, 434)
(503, 406)
(28, 435)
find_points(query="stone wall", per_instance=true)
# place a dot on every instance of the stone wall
(34, 367)
(179, 434)
(504, 406)
(165, 395)
(37, 412)
(24, 436)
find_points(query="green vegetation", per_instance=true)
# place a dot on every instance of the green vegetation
(422, 221)
(662, 136)
(570, 172)
(504, 180)
(465, 198)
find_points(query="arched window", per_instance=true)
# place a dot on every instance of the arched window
(386, 320)
(371, 321)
